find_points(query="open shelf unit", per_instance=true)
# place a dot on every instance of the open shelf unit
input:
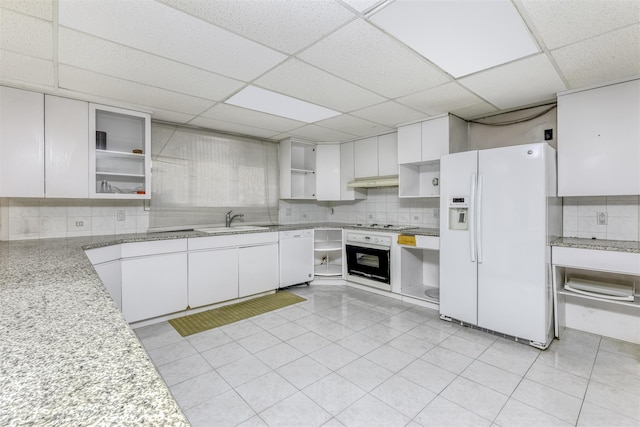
(297, 169)
(419, 275)
(328, 252)
(118, 172)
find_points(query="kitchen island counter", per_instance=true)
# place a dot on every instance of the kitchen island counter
(68, 356)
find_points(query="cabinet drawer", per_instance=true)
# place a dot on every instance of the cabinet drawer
(231, 240)
(590, 259)
(153, 248)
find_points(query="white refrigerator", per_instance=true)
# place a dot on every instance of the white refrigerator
(499, 211)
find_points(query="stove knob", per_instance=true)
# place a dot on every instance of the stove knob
(376, 240)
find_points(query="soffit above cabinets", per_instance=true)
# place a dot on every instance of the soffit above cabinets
(182, 59)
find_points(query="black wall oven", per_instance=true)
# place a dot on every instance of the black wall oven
(369, 260)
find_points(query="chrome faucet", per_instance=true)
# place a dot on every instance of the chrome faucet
(229, 219)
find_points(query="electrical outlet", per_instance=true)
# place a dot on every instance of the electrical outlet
(601, 218)
(120, 215)
(548, 134)
(79, 223)
(416, 218)
(370, 216)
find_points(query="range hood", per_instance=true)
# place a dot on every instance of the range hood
(374, 181)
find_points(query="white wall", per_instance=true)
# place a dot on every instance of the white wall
(48, 218)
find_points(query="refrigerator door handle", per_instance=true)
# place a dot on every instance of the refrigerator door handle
(471, 219)
(479, 219)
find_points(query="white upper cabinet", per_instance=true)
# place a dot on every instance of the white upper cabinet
(599, 141)
(366, 157)
(388, 154)
(297, 169)
(121, 167)
(376, 156)
(21, 143)
(347, 173)
(328, 172)
(420, 146)
(427, 141)
(66, 147)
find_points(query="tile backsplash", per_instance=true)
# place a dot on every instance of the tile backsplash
(23, 218)
(48, 218)
(619, 217)
(382, 206)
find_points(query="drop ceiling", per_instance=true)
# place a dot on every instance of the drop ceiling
(182, 59)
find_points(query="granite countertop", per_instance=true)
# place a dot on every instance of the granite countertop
(68, 356)
(601, 245)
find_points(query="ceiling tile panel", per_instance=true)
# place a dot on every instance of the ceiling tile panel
(448, 98)
(353, 125)
(171, 116)
(286, 25)
(389, 114)
(231, 113)
(129, 92)
(164, 31)
(79, 50)
(304, 81)
(318, 134)
(522, 82)
(42, 9)
(26, 35)
(563, 22)
(16, 68)
(366, 56)
(362, 5)
(612, 56)
(236, 128)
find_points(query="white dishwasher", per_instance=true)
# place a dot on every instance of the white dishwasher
(296, 257)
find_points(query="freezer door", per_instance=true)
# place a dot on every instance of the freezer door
(512, 241)
(458, 270)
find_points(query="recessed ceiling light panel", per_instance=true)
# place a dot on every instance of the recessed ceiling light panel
(460, 36)
(255, 98)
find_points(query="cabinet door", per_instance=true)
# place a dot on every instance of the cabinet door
(366, 157)
(410, 143)
(111, 275)
(154, 286)
(328, 172)
(213, 276)
(347, 173)
(388, 154)
(435, 138)
(599, 141)
(258, 269)
(66, 147)
(21, 143)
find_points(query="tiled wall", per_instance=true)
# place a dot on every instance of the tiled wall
(580, 216)
(48, 218)
(382, 206)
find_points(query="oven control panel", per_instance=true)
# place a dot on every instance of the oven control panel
(370, 239)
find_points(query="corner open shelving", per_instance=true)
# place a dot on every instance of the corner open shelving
(122, 170)
(328, 252)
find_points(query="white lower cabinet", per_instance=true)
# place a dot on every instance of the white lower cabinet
(213, 276)
(111, 275)
(258, 269)
(154, 285)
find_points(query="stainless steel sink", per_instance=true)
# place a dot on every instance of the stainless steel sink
(217, 230)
